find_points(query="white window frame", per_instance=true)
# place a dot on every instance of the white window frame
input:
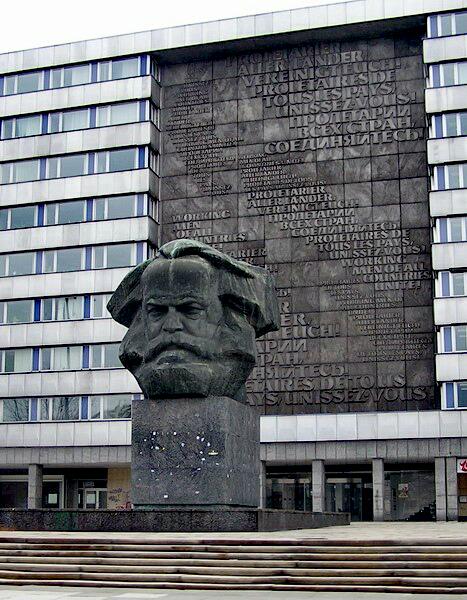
(10, 166)
(16, 77)
(4, 311)
(441, 73)
(8, 217)
(14, 422)
(3, 357)
(105, 251)
(7, 263)
(106, 110)
(106, 153)
(438, 23)
(449, 221)
(51, 400)
(439, 284)
(444, 116)
(440, 336)
(106, 207)
(59, 165)
(56, 206)
(435, 177)
(102, 399)
(101, 348)
(62, 75)
(154, 161)
(105, 299)
(55, 300)
(52, 358)
(60, 120)
(55, 256)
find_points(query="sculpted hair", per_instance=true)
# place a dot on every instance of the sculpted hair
(248, 289)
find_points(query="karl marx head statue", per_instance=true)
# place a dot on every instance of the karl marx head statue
(193, 314)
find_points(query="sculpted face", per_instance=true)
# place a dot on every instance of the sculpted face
(190, 342)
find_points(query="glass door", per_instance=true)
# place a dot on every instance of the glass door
(95, 498)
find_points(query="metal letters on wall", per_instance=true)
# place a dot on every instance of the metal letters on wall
(311, 161)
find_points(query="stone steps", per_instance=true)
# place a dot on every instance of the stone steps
(256, 563)
(425, 566)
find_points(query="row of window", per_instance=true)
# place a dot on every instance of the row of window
(79, 258)
(83, 163)
(451, 284)
(81, 118)
(80, 74)
(454, 394)
(61, 308)
(452, 339)
(447, 24)
(449, 73)
(59, 358)
(450, 229)
(448, 125)
(78, 211)
(449, 177)
(66, 408)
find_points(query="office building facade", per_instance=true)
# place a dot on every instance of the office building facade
(327, 144)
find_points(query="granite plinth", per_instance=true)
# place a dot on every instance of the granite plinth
(194, 452)
(167, 520)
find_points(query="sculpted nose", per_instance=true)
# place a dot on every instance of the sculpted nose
(172, 322)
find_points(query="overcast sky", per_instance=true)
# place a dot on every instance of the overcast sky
(33, 23)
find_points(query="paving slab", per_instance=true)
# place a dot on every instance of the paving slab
(355, 531)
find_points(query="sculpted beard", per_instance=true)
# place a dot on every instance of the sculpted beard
(179, 341)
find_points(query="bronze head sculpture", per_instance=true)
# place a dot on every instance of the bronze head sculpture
(193, 314)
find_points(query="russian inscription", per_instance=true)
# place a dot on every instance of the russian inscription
(311, 162)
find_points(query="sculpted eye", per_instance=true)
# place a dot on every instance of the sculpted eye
(191, 310)
(156, 311)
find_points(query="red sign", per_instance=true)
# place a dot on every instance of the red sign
(462, 465)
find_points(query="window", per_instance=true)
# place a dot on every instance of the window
(17, 172)
(62, 309)
(119, 69)
(117, 406)
(99, 304)
(448, 125)
(445, 74)
(16, 311)
(24, 82)
(59, 409)
(116, 160)
(15, 409)
(21, 127)
(67, 166)
(66, 259)
(22, 263)
(116, 114)
(67, 76)
(116, 207)
(104, 356)
(449, 177)
(451, 284)
(20, 217)
(451, 229)
(114, 256)
(60, 358)
(447, 24)
(17, 360)
(75, 119)
(453, 338)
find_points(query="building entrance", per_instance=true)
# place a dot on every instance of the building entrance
(350, 494)
(288, 490)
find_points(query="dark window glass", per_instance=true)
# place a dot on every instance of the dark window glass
(461, 22)
(15, 409)
(117, 407)
(23, 216)
(111, 355)
(21, 263)
(71, 212)
(65, 409)
(47, 305)
(76, 75)
(121, 160)
(119, 255)
(120, 207)
(7, 128)
(72, 165)
(29, 82)
(19, 311)
(69, 259)
(3, 219)
(462, 395)
(28, 126)
(128, 67)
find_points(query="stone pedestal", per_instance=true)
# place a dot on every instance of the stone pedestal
(194, 452)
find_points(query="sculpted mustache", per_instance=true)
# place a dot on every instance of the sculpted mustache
(176, 343)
